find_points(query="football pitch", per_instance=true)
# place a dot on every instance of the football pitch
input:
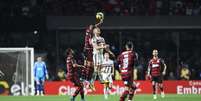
(101, 98)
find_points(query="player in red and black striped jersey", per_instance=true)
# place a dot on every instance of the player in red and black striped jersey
(126, 61)
(72, 74)
(88, 50)
(156, 65)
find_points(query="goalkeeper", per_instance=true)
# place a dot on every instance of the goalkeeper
(40, 74)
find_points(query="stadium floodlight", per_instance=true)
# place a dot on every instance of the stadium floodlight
(17, 65)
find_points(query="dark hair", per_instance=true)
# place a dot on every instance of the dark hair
(129, 44)
(68, 51)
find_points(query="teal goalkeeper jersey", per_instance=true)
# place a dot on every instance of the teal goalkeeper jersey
(40, 70)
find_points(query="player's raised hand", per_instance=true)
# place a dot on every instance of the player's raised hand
(163, 73)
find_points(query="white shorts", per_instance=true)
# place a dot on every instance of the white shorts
(98, 59)
(106, 77)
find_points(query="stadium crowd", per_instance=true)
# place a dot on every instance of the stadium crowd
(124, 7)
(109, 7)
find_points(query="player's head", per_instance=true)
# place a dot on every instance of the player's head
(96, 31)
(129, 45)
(106, 55)
(39, 59)
(155, 52)
(69, 51)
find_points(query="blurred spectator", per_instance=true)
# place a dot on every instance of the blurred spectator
(117, 75)
(126, 7)
(200, 74)
(109, 7)
(61, 76)
(185, 73)
(171, 76)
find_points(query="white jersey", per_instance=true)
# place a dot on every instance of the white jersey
(106, 71)
(98, 41)
(107, 66)
(97, 53)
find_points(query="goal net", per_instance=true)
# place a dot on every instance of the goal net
(16, 65)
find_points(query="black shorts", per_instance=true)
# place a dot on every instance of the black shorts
(158, 79)
(128, 81)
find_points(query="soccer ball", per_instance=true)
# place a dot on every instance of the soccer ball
(99, 16)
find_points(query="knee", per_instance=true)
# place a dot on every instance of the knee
(153, 83)
(160, 85)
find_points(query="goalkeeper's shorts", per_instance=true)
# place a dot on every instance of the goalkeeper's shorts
(40, 79)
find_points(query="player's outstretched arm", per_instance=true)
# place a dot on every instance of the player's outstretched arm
(149, 69)
(99, 23)
(46, 72)
(77, 65)
(164, 70)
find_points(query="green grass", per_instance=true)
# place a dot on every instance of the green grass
(101, 98)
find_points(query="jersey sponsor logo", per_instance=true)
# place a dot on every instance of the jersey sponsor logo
(188, 90)
(155, 65)
(123, 71)
(143, 87)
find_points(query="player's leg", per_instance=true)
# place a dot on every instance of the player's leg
(37, 80)
(154, 87)
(95, 69)
(106, 90)
(90, 70)
(42, 81)
(76, 91)
(80, 88)
(126, 91)
(160, 84)
(110, 81)
(89, 64)
(94, 75)
(100, 62)
(131, 94)
(106, 85)
(132, 91)
(100, 76)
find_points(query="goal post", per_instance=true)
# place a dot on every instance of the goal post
(17, 64)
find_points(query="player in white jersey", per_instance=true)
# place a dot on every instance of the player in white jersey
(106, 71)
(99, 45)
